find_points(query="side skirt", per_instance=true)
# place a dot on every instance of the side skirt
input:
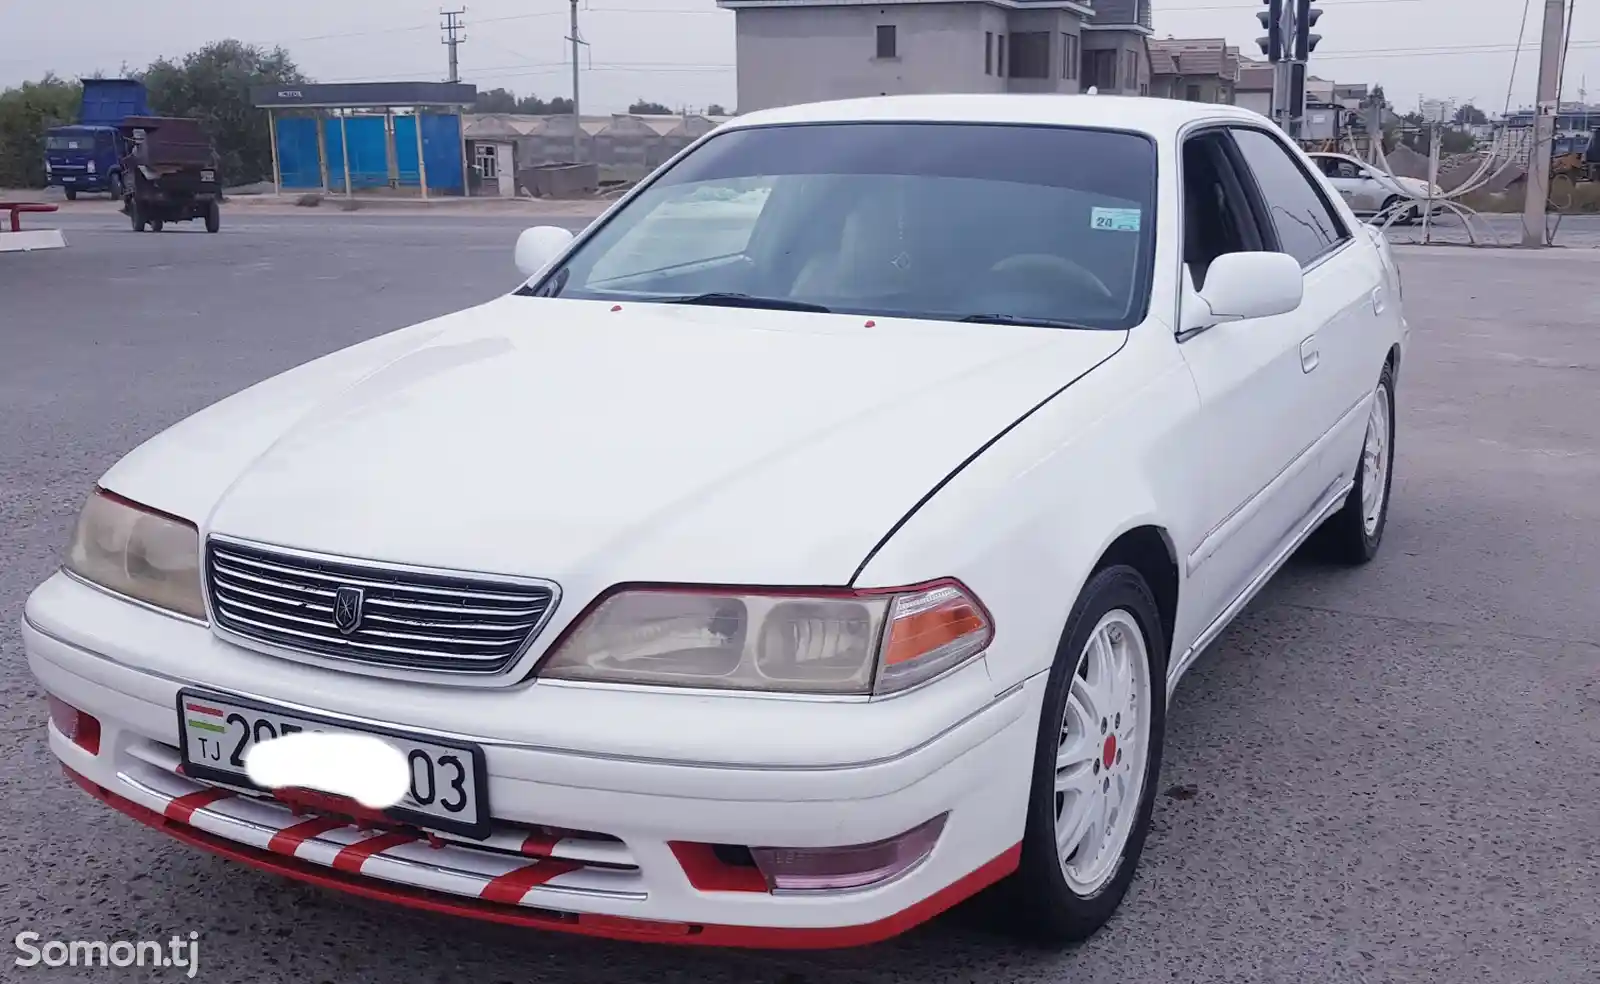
(1331, 503)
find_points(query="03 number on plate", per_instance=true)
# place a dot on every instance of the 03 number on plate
(448, 789)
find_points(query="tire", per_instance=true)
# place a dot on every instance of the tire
(1353, 534)
(135, 218)
(72, 194)
(213, 217)
(1406, 217)
(114, 187)
(1058, 901)
(156, 225)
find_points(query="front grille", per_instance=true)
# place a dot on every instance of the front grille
(414, 619)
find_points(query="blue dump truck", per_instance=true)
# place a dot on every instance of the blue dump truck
(87, 156)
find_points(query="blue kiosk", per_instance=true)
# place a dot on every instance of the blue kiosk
(362, 136)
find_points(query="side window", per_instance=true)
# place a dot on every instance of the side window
(1216, 212)
(1307, 227)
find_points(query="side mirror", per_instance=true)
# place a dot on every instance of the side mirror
(539, 246)
(1242, 286)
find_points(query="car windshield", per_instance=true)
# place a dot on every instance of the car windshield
(82, 140)
(975, 222)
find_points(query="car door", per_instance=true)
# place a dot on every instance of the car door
(1345, 300)
(1370, 190)
(1259, 413)
(1340, 176)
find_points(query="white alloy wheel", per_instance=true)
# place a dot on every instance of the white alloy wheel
(1375, 458)
(1103, 749)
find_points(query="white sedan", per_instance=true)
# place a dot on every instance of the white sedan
(1371, 191)
(814, 541)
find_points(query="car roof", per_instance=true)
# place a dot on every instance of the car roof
(1157, 117)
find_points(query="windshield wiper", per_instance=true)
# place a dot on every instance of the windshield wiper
(724, 299)
(1017, 319)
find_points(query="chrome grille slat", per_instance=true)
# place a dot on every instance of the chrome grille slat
(410, 619)
(493, 634)
(367, 581)
(518, 620)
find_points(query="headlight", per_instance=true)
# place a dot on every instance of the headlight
(91, 167)
(138, 552)
(821, 642)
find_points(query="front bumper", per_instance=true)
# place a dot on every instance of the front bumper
(588, 842)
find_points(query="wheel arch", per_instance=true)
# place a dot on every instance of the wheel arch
(1148, 549)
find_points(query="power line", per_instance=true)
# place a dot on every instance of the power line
(1338, 4)
(1522, 32)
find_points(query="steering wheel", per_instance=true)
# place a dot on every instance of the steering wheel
(1047, 273)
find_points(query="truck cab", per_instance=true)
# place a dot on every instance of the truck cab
(84, 158)
(87, 156)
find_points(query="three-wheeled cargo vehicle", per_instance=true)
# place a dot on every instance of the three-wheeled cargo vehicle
(172, 173)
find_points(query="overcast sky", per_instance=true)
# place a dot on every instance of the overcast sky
(681, 52)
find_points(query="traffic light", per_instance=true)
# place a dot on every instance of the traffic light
(1272, 20)
(1304, 41)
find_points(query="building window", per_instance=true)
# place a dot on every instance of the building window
(988, 52)
(1192, 94)
(1030, 55)
(1000, 55)
(886, 41)
(488, 162)
(1100, 69)
(1069, 56)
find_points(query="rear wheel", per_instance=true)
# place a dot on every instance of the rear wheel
(114, 187)
(1353, 534)
(1096, 763)
(156, 225)
(135, 216)
(213, 216)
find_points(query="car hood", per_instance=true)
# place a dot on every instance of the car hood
(576, 440)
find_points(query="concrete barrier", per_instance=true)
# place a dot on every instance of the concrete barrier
(30, 240)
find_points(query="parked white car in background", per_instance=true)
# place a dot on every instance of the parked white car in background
(1370, 191)
(812, 543)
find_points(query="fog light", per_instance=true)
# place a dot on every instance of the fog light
(79, 728)
(811, 869)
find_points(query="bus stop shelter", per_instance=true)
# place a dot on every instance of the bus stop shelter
(365, 136)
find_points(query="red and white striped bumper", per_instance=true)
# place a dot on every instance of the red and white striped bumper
(629, 863)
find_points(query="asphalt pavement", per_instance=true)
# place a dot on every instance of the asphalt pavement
(1387, 774)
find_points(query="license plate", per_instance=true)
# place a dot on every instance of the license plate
(448, 789)
(208, 175)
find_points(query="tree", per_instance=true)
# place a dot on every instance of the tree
(715, 109)
(497, 101)
(25, 113)
(644, 108)
(1470, 115)
(213, 85)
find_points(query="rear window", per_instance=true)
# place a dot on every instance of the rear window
(926, 220)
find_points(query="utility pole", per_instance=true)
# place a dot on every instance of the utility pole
(1544, 123)
(453, 28)
(577, 117)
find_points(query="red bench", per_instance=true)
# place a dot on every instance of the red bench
(17, 208)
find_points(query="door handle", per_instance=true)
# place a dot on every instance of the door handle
(1309, 356)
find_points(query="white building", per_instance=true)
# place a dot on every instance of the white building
(794, 51)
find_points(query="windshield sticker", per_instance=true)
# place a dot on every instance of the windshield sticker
(1115, 219)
